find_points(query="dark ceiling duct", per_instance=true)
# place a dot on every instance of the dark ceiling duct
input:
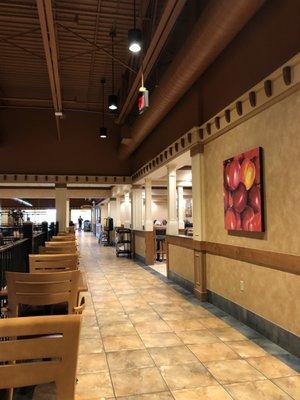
(219, 23)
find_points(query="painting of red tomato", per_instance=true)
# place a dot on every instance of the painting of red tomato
(243, 209)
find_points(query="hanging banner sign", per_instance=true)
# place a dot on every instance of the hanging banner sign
(143, 100)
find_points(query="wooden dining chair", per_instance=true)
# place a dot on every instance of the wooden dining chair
(42, 289)
(63, 239)
(39, 350)
(57, 250)
(52, 262)
(69, 243)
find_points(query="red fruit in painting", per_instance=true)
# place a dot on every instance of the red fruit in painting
(255, 224)
(254, 198)
(247, 217)
(230, 219)
(226, 198)
(252, 153)
(247, 173)
(257, 169)
(232, 174)
(238, 221)
(239, 197)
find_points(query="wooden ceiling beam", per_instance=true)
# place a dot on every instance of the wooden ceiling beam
(50, 47)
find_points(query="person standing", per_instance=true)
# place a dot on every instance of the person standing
(80, 223)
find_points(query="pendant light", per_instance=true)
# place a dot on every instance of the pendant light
(113, 98)
(134, 35)
(103, 129)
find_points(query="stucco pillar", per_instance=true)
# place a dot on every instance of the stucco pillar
(61, 206)
(118, 212)
(181, 207)
(103, 213)
(198, 194)
(137, 207)
(112, 209)
(148, 205)
(67, 213)
(127, 210)
(172, 225)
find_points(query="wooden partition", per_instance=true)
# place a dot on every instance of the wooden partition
(143, 246)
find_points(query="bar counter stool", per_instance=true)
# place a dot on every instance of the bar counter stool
(46, 351)
(42, 289)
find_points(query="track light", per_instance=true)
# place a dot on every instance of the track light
(135, 40)
(113, 98)
(113, 102)
(134, 35)
(103, 132)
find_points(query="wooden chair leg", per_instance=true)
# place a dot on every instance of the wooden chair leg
(65, 389)
(9, 394)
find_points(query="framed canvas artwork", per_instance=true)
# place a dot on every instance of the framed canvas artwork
(243, 207)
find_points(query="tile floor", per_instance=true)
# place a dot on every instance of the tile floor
(145, 338)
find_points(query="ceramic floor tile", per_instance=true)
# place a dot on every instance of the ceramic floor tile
(187, 376)
(203, 393)
(172, 355)
(118, 343)
(152, 327)
(231, 371)
(117, 329)
(124, 360)
(90, 345)
(246, 349)
(137, 317)
(213, 352)
(214, 323)
(271, 367)
(260, 390)
(94, 386)
(91, 363)
(186, 325)
(291, 385)
(228, 334)
(149, 396)
(165, 339)
(137, 381)
(197, 337)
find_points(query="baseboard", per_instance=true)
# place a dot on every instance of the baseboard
(181, 281)
(139, 258)
(285, 339)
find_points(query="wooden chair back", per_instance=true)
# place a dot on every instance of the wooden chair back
(46, 351)
(42, 289)
(63, 238)
(68, 243)
(57, 250)
(52, 262)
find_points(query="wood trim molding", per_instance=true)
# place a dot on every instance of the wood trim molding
(181, 241)
(278, 261)
(64, 179)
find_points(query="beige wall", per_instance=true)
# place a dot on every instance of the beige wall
(181, 261)
(271, 294)
(140, 246)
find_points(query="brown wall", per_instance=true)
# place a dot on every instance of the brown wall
(268, 293)
(181, 261)
(29, 145)
(266, 42)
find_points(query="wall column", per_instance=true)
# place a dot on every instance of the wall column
(148, 205)
(137, 208)
(68, 213)
(127, 209)
(172, 225)
(200, 289)
(198, 192)
(103, 213)
(118, 212)
(181, 207)
(61, 206)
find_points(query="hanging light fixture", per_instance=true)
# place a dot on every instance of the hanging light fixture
(113, 98)
(103, 129)
(134, 35)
